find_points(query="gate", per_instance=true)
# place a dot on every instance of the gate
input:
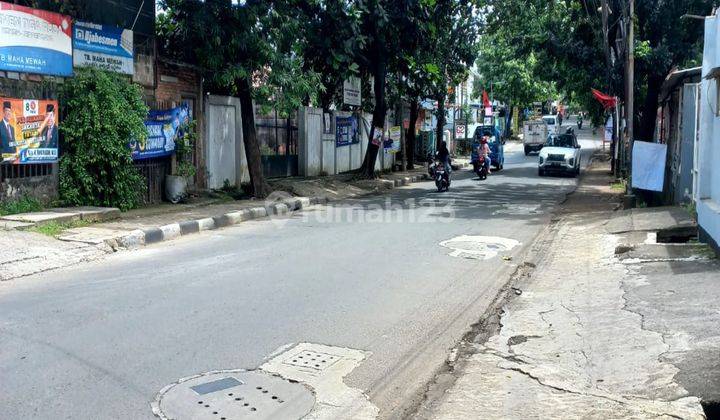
(278, 138)
(154, 170)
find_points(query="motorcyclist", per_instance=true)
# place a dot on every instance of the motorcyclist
(485, 152)
(443, 155)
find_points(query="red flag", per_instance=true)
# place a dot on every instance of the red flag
(606, 100)
(487, 104)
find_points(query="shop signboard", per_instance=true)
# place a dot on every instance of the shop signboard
(103, 46)
(35, 41)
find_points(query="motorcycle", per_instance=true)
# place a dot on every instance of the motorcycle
(481, 168)
(579, 123)
(442, 179)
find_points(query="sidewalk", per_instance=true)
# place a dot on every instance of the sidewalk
(25, 252)
(610, 324)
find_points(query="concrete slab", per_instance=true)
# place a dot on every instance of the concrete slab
(91, 213)
(665, 252)
(91, 235)
(649, 219)
(43, 217)
(12, 225)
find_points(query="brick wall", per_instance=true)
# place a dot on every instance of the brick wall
(176, 83)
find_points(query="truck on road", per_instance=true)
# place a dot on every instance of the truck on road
(535, 133)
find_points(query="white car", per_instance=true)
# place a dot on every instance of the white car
(561, 154)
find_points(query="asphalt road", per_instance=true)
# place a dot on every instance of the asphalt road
(100, 340)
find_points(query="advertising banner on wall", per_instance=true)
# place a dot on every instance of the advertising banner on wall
(346, 131)
(29, 131)
(106, 47)
(392, 141)
(35, 41)
(163, 128)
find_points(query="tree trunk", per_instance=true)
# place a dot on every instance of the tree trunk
(367, 169)
(411, 133)
(645, 130)
(260, 188)
(440, 130)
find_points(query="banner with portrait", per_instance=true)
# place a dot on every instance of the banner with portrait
(29, 131)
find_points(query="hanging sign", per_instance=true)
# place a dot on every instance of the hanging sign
(351, 91)
(163, 127)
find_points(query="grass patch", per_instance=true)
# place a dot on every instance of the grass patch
(23, 205)
(56, 228)
(618, 186)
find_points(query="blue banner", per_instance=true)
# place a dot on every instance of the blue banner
(346, 131)
(103, 46)
(163, 128)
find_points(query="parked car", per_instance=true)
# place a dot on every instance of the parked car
(496, 143)
(553, 123)
(561, 154)
(535, 133)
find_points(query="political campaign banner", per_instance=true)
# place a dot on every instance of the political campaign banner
(29, 131)
(163, 128)
(346, 131)
(103, 46)
(35, 41)
(392, 141)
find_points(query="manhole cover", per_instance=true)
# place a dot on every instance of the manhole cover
(478, 247)
(232, 395)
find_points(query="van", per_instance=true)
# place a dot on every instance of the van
(553, 123)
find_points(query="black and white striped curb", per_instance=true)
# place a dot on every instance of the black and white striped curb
(140, 237)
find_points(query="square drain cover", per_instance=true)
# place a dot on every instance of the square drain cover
(312, 360)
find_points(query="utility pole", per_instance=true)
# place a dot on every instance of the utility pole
(608, 62)
(630, 97)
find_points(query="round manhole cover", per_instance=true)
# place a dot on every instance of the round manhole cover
(478, 247)
(231, 395)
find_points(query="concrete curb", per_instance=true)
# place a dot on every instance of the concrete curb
(142, 237)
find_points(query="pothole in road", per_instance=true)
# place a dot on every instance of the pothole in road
(234, 395)
(478, 247)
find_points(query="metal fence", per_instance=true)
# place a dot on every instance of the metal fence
(9, 171)
(278, 138)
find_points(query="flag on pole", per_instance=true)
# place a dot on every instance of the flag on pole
(607, 101)
(487, 104)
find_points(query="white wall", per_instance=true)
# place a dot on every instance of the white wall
(708, 194)
(317, 151)
(225, 150)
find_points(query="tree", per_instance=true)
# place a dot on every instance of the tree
(248, 49)
(454, 35)
(104, 112)
(567, 39)
(330, 42)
